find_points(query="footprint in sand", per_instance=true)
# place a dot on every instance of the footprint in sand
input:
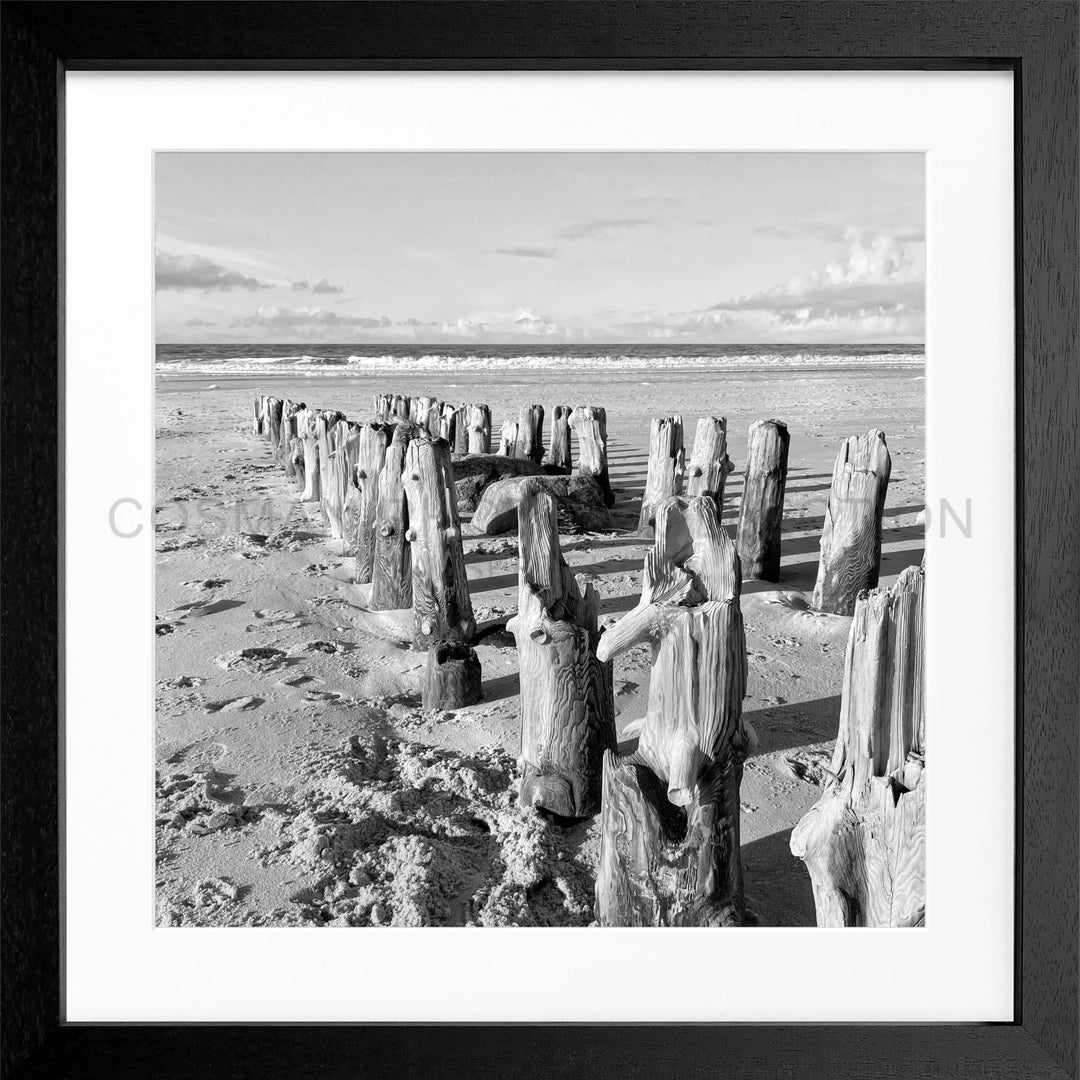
(281, 619)
(203, 752)
(206, 583)
(240, 704)
(299, 680)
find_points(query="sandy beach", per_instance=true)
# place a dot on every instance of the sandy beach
(299, 782)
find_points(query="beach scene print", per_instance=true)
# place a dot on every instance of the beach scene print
(539, 540)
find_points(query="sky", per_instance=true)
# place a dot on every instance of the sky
(531, 248)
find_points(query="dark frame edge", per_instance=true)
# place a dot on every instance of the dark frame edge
(37, 46)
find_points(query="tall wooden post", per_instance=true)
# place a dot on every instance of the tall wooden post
(669, 847)
(256, 417)
(339, 482)
(665, 468)
(590, 424)
(559, 451)
(400, 407)
(426, 413)
(391, 574)
(567, 710)
(289, 434)
(762, 512)
(325, 422)
(273, 414)
(370, 458)
(442, 610)
(851, 537)
(478, 422)
(306, 429)
(508, 438)
(530, 433)
(381, 405)
(709, 462)
(864, 840)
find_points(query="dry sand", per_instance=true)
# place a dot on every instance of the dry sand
(298, 780)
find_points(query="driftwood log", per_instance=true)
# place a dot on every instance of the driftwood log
(567, 711)
(452, 678)
(864, 840)
(665, 468)
(669, 847)
(391, 574)
(372, 440)
(590, 425)
(851, 537)
(580, 502)
(442, 609)
(475, 473)
(761, 514)
(530, 433)
(559, 451)
(709, 464)
(478, 424)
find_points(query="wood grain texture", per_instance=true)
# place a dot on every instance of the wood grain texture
(306, 426)
(452, 677)
(851, 537)
(658, 867)
(529, 442)
(761, 513)
(391, 574)
(709, 465)
(580, 501)
(665, 472)
(373, 440)
(567, 710)
(864, 840)
(589, 423)
(442, 609)
(559, 454)
(508, 438)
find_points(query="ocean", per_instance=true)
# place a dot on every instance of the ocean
(320, 359)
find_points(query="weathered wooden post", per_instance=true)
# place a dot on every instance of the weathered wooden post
(508, 438)
(256, 417)
(709, 462)
(669, 847)
(281, 438)
(590, 424)
(391, 574)
(442, 610)
(381, 406)
(325, 422)
(559, 451)
(273, 414)
(665, 468)
(762, 512)
(449, 423)
(851, 537)
(863, 841)
(567, 702)
(339, 480)
(370, 458)
(426, 413)
(452, 678)
(305, 426)
(289, 428)
(400, 407)
(478, 422)
(530, 433)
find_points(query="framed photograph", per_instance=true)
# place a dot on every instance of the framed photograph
(536, 486)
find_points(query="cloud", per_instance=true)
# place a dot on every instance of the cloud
(833, 233)
(320, 288)
(199, 322)
(181, 272)
(876, 293)
(315, 319)
(601, 227)
(528, 252)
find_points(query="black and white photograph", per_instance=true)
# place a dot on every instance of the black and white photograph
(540, 539)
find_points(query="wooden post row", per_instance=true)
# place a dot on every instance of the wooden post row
(669, 848)
(567, 710)
(863, 841)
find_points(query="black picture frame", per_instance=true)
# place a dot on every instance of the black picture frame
(1037, 41)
